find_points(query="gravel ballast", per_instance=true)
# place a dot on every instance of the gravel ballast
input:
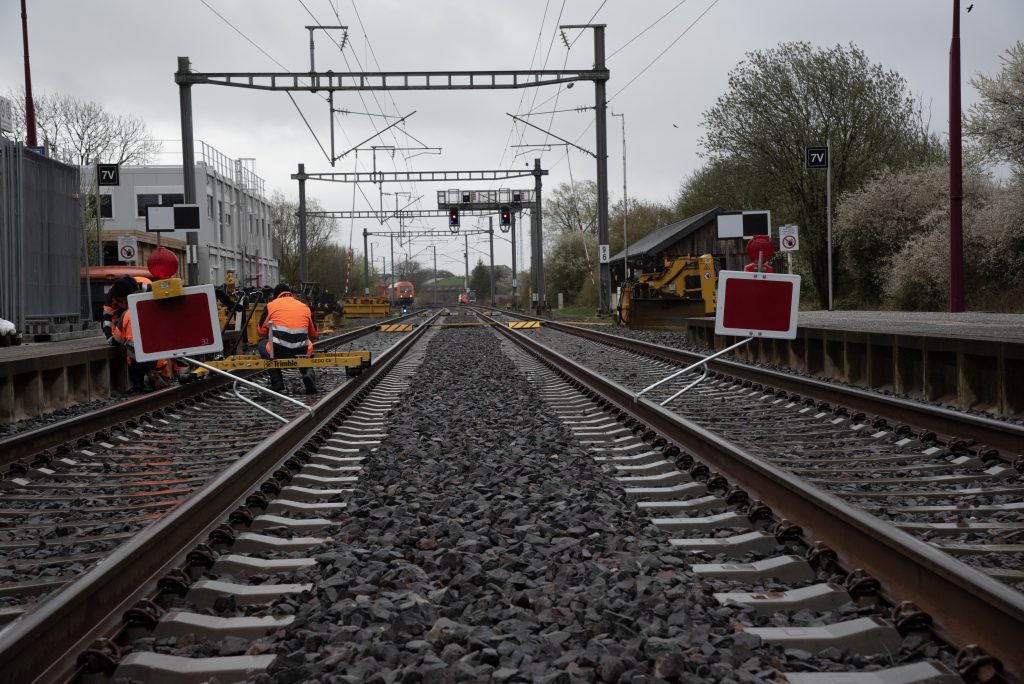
(483, 544)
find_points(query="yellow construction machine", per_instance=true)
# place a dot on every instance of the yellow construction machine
(661, 296)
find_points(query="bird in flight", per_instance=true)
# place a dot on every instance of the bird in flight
(675, 126)
(970, 7)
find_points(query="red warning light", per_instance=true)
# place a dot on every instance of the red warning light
(162, 263)
(760, 243)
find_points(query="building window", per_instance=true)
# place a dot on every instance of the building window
(106, 206)
(209, 206)
(227, 219)
(144, 200)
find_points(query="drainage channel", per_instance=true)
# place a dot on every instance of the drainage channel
(785, 591)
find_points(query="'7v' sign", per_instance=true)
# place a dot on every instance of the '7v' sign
(108, 174)
(816, 157)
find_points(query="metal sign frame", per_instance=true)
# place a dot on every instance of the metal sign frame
(723, 326)
(748, 333)
(200, 345)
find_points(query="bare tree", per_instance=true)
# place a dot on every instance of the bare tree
(81, 132)
(284, 217)
(570, 208)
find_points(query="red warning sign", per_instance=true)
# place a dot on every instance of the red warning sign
(175, 326)
(757, 304)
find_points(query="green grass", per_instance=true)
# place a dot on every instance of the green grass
(573, 312)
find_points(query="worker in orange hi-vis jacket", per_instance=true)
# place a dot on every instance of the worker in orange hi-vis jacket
(287, 331)
(138, 371)
(116, 303)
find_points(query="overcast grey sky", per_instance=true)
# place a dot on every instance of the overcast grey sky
(122, 54)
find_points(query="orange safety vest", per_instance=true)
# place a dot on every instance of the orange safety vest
(122, 332)
(288, 324)
(115, 305)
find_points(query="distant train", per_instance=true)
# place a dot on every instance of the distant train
(406, 293)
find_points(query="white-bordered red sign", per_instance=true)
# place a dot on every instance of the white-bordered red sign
(757, 304)
(175, 326)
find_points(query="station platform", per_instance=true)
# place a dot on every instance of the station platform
(45, 376)
(967, 325)
(969, 360)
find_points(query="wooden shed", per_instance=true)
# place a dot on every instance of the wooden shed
(693, 236)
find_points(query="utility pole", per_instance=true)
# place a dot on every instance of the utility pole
(366, 265)
(30, 107)
(435, 273)
(465, 255)
(537, 243)
(99, 213)
(604, 294)
(515, 274)
(392, 268)
(625, 204)
(956, 178)
(828, 216)
(490, 234)
(188, 164)
(303, 253)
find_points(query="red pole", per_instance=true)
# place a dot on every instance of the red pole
(956, 177)
(30, 108)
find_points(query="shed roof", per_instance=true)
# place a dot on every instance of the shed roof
(659, 240)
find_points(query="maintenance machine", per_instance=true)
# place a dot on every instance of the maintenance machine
(663, 295)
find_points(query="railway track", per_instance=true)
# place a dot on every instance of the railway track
(823, 467)
(66, 509)
(477, 542)
(33, 444)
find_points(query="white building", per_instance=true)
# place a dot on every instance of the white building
(235, 236)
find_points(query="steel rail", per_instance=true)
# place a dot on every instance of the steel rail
(1005, 436)
(43, 646)
(968, 606)
(31, 442)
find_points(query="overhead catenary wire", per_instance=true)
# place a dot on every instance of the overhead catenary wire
(366, 38)
(406, 157)
(271, 58)
(361, 98)
(340, 47)
(639, 74)
(656, 22)
(589, 21)
(522, 95)
(662, 53)
(282, 66)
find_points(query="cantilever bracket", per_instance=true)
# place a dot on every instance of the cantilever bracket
(702, 363)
